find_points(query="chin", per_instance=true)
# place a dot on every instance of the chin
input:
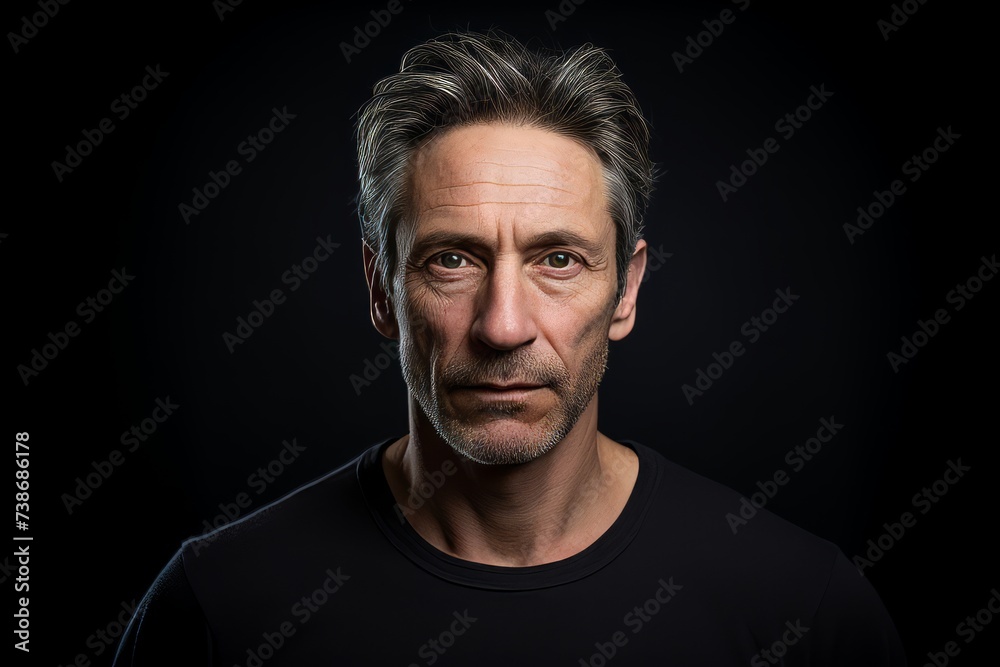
(499, 442)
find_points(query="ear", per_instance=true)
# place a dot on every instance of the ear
(624, 317)
(383, 315)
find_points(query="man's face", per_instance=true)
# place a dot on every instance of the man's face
(507, 288)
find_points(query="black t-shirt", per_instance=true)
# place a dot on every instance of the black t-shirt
(333, 575)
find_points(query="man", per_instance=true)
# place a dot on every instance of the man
(501, 201)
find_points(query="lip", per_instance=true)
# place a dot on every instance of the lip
(505, 387)
(505, 391)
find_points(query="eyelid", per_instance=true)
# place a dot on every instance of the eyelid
(436, 257)
(569, 254)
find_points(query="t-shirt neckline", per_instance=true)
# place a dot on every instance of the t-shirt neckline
(381, 503)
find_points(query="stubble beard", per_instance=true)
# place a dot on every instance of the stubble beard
(473, 440)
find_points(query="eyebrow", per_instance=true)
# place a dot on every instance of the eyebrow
(443, 238)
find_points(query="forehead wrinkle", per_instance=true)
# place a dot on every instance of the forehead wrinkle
(450, 167)
(446, 165)
(465, 177)
(476, 153)
(481, 203)
(472, 193)
(526, 185)
(522, 166)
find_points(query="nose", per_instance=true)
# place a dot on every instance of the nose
(505, 319)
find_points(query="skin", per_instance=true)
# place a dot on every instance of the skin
(533, 481)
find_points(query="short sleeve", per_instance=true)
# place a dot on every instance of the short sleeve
(169, 627)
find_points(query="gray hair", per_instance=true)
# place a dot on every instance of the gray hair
(467, 78)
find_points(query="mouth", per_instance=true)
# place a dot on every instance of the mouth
(514, 390)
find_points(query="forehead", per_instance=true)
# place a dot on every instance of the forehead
(508, 170)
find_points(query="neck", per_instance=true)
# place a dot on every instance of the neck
(512, 515)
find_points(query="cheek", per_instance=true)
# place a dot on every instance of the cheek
(600, 324)
(435, 326)
(579, 327)
(574, 336)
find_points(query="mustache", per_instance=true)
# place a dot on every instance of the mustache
(508, 368)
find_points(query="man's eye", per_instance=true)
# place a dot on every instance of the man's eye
(556, 260)
(560, 260)
(450, 260)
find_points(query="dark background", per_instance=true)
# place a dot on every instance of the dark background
(826, 357)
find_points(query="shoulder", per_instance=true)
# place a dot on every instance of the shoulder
(722, 516)
(227, 580)
(168, 627)
(732, 546)
(754, 564)
(334, 500)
